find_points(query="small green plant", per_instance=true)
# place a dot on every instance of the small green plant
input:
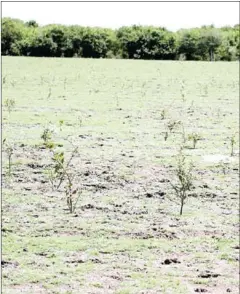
(9, 150)
(61, 122)
(58, 159)
(51, 177)
(194, 137)
(65, 168)
(72, 195)
(46, 136)
(232, 142)
(62, 171)
(56, 171)
(184, 179)
(9, 104)
(50, 145)
(170, 126)
(163, 114)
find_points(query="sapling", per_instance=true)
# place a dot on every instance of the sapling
(233, 142)
(60, 172)
(170, 126)
(64, 169)
(58, 159)
(195, 137)
(55, 172)
(72, 195)
(51, 176)
(46, 135)
(9, 151)
(185, 178)
(10, 104)
(163, 114)
(61, 122)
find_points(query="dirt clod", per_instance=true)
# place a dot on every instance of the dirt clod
(171, 260)
(200, 290)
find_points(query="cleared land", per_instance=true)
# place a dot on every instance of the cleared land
(126, 235)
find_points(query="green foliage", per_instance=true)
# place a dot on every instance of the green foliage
(184, 179)
(194, 137)
(9, 149)
(60, 172)
(188, 44)
(58, 160)
(12, 33)
(210, 40)
(46, 136)
(9, 104)
(232, 142)
(31, 23)
(141, 42)
(61, 122)
(135, 42)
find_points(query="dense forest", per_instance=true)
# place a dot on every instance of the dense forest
(135, 42)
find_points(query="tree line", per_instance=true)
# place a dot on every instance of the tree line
(135, 42)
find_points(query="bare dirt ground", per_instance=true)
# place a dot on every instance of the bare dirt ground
(126, 234)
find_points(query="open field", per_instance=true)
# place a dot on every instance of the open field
(126, 234)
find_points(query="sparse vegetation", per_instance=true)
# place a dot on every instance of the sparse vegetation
(113, 199)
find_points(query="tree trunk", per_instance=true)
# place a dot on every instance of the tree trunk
(211, 54)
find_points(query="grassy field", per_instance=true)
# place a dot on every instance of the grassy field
(126, 234)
